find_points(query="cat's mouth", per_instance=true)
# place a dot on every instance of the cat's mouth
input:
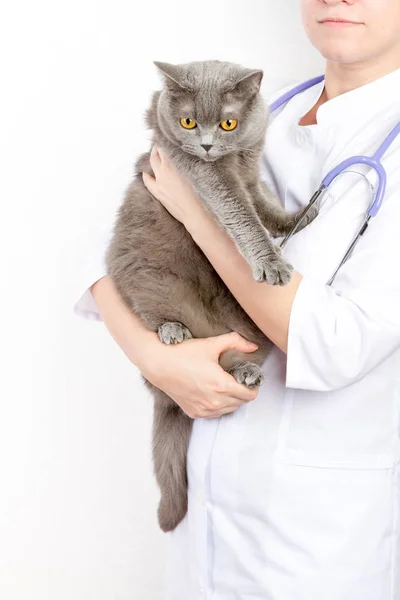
(206, 156)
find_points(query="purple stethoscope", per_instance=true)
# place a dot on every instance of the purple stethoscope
(372, 161)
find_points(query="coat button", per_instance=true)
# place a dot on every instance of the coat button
(301, 138)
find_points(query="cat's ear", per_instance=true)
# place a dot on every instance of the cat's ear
(248, 84)
(173, 75)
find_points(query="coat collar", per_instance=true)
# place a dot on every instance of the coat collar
(360, 104)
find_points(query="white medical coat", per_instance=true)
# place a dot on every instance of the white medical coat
(297, 495)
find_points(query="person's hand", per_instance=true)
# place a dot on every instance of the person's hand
(190, 374)
(171, 188)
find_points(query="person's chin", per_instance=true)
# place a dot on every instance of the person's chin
(339, 50)
(339, 54)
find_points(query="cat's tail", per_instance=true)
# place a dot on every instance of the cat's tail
(171, 434)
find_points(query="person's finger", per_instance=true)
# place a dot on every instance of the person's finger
(233, 340)
(161, 154)
(149, 182)
(221, 400)
(223, 411)
(155, 159)
(232, 401)
(229, 410)
(165, 160)
(239, 390)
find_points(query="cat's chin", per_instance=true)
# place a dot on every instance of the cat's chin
(205, 158)
(209, 158)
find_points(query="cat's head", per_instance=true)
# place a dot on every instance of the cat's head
(211, 109)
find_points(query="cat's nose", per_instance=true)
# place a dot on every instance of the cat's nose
(206, 146)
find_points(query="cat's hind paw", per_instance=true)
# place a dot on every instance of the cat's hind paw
(247, 373)
(173, 333)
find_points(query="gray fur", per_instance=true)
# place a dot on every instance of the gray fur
(162, 275)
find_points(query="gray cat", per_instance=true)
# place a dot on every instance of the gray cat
(211, 121)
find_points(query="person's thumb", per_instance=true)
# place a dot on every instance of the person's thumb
(149, 181)
(233, 341)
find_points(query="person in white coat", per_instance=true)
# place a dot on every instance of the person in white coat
(297, 495)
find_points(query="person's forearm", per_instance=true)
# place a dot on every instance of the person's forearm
(267, 305)
(125, 327)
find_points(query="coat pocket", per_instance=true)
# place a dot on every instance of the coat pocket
(334, 529)
(355, 430)
(337, 496)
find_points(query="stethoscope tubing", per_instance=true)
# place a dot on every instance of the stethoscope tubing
(374, 162)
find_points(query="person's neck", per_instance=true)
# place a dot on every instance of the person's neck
(341, 77)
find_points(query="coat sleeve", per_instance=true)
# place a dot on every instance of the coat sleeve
(92, 269)
(340, 333)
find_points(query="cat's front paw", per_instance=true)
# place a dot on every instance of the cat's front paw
(273, 269)
(308, 218)
(247, 373)
(173, 333)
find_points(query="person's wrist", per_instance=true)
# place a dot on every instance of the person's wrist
(198, 221)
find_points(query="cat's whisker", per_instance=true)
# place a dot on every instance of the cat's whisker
(190, 149)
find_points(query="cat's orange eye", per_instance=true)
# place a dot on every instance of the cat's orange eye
(188, 123)
(229, 124)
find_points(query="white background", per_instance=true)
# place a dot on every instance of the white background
(77, 496)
